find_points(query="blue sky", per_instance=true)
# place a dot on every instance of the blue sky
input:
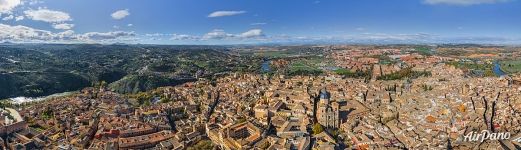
(261, 21)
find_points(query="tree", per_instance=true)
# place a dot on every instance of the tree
(48, 113)
(143, 98)
(241, 120)
(165, 100)
(103, 84)
(100, 84)
(147, 103)
(334, 132)
(426, 87)
(317, 128)
(202, 145)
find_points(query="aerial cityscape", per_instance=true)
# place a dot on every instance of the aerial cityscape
(275, 75)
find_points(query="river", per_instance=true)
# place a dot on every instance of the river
(265, 66)
(19, 100)
(497, 69)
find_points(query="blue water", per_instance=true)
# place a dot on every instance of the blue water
(497, 69)
(265, 66)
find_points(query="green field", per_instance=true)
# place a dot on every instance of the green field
(485, 67)
(353, 74)
(471, 65)
(301, 66)
(424, 50)
(274, 54)
(305, 66)
(404, 73)
(312, 65)
(511, 66)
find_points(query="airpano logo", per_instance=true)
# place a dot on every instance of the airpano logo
(486, 135)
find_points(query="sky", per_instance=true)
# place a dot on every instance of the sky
(261, 21)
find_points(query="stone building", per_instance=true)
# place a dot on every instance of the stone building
(327, 111)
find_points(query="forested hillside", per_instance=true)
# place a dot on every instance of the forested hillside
(43, 69)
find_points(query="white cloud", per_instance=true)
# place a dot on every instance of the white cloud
(66, 36)
(360, 29)
(252, 33)
(100, 36)
(396, 37)
(217, 34)
(120, 14)
(6, 6)
(10, 17)
(63, 26)
(183, 37)
(180, 37)
(21, 33)
(384, 38)
(154, 34)
(225, 13)
(130, 25)
(18, 18)
(47, 15)
(258, 23)
(359, 38)
(32, 2)
(463, 2)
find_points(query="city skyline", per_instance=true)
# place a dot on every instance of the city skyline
(260, 74)
(260, 22)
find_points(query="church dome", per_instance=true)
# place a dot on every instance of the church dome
(324, 94)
